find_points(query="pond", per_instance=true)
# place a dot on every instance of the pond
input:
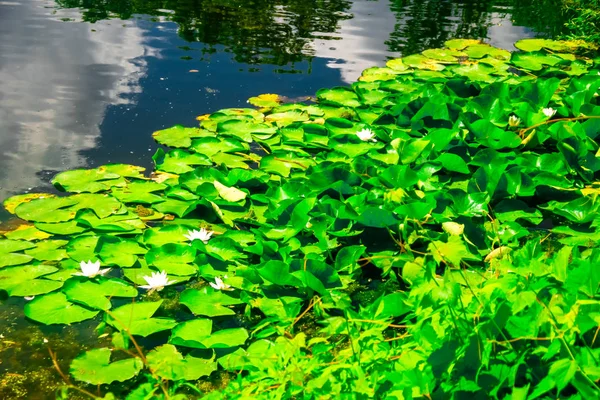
(86, 82)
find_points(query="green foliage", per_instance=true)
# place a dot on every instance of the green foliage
(429, 231)
(94, 367)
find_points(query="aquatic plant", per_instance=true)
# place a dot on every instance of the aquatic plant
(452, 253)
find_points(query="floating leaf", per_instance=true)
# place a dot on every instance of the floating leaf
(87, 180)
(229, 193)
(53, 209)
(94, 367)
(168, 363)
(178, 161)
(209, 302)
(54, 308)
(339, 96)
(13, 202)
(27, 232)
(97, 295)
(137, 319)
(265, 100)
(177, 136)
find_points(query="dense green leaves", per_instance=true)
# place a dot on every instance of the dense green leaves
(428, 231)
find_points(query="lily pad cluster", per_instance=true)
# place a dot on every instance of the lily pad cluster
(430, 230)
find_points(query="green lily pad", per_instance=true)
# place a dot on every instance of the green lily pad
(244, 130)
(178, 136)
(461, 44)
(483, 50)
(197, 334)
(61, 228)
(229, 193)
(127, 222)
(101, 204)
(137, 319)
(8, 259)
(97, 294)
(87, 180)
(13, 202)
(178, 161)
(125, 170)
(142, 192)
(168, 363)
(534, 61)
(555, 45)
(181, 208)
(174, 258)
(209, 146)
(166, 234)
(119, 252)
(13, 276)
(339, 96)
(34, 287)
(285, 118)
(10, 246)
(209, 302)
(94, 367)
(49, 250)
(423, 63)
(265, 100)
(53, 209)
(444, 55)
(476, 72)
(54, 308)
(27, 232)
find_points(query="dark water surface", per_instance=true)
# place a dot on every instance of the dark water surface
(86, 82)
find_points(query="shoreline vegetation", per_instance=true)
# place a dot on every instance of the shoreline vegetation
(429, 231)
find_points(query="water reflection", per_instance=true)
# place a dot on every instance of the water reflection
(57, 80)
(255, 31)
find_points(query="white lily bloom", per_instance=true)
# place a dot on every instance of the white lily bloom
(203, 235)
(220, 285)
(549, 112)
(513, 121)
(91, 269)
(157, 281)
(366, 135)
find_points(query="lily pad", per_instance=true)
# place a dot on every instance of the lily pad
(54, 308)
(13, 202)
(96, 295)
(339, 96)
(209, 302)
(94, 367)
(178, 161)
(168, 363)
(53, 209)
(178, 136)
(87, 180)
(136, 319)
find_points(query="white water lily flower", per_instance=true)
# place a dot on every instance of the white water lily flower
(157, 281)
(549, 112)
(514, 121)
(91, 269)
(203, 235)
(366, 135)
(220, 285)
